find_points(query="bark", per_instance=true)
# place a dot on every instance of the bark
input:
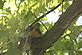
(39, 45)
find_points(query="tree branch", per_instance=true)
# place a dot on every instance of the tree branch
(46, 13)
(39, 45)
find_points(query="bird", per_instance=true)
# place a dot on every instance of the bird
(30, 32)
(33, 31)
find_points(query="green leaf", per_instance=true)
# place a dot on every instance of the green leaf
(1, 4)
(71, 52)
(21, 0)
(44, 19)
(13, 51)
(66, 5)
(80, 44)
(79, 53)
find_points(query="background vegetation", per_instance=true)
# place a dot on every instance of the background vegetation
(15, 15)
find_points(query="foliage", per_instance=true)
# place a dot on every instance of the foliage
(15, 15)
